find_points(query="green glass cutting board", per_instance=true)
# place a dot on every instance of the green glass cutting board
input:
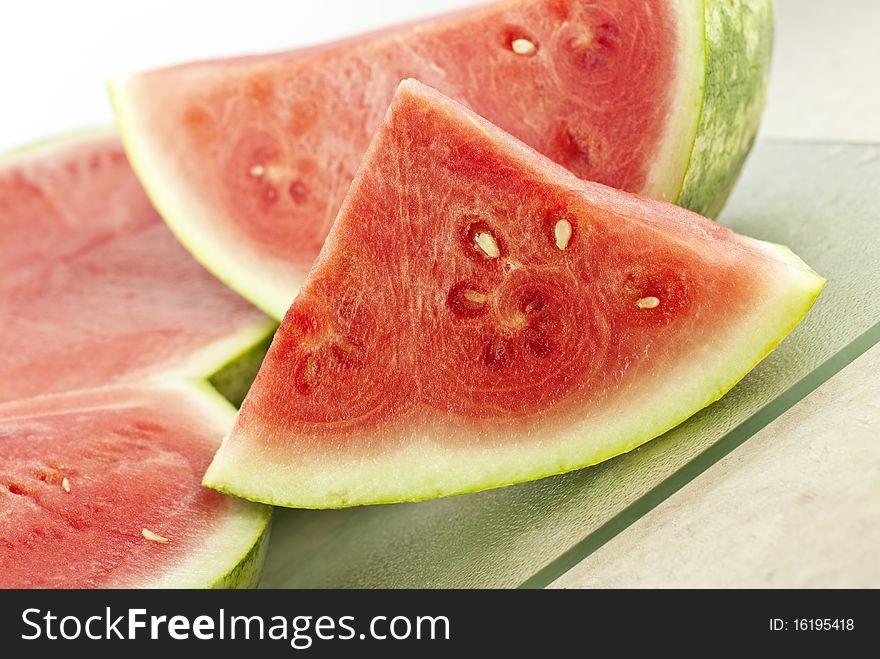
(822, 200)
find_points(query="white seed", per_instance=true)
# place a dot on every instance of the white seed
(523, 46)
(474, 296)
(153, 537)
(310, 372)
(486, 242)
(257, 171)
(648, 303)
(562, 233)
(65, 484)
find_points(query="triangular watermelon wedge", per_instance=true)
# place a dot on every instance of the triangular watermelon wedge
(479, 316)
(248, 159)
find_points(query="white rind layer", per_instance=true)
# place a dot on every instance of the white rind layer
(230, 554)
(669, 167)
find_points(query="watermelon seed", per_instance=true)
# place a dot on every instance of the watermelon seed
(575, 149)
(648, 303)
(65, 484)
(487, 244)
(257, 171)
(562, 233)
(581, 42)
(533, 303)
(15, 488)
(537, 341)
(153, 537)
(466, 302)
(307, 373)
(310, 372)
(346, 347)
(474, 296)
(299, 192)
(523, 46)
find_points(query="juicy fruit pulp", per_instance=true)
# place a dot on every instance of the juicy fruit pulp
(102, 443)
(479, 316)
(249, 159)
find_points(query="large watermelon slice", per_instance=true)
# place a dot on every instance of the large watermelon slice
(102, 489)
(479, 316)
(249, 159)
(107, 326)
(95, 288)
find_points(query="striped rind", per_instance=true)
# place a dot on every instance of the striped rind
(738, 47)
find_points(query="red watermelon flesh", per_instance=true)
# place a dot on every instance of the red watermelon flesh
(95, 288)
(249, 159)
(101, 489)
(479, 316)
(102, 442)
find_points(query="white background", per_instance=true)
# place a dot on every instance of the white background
(56, 55)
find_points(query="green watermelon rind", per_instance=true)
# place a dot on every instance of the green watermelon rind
(757, 337)
(209, 375)
(737, 50)
(233, 377)
(712, 127)
(246, 573)
(227, 362)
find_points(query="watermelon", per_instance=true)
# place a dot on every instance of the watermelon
(106, 424)
(249, 159)
(101, 488)
(480, 316)
(95, 289)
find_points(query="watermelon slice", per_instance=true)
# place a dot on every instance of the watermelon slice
(86, 264)
(249, 159)
(107, 326)
(479, 316)
(101, 489)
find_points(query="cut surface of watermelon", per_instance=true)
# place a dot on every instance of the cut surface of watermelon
(101, 489)
(108, 326)
(249, 159)
(479, 316)
(95, 289)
